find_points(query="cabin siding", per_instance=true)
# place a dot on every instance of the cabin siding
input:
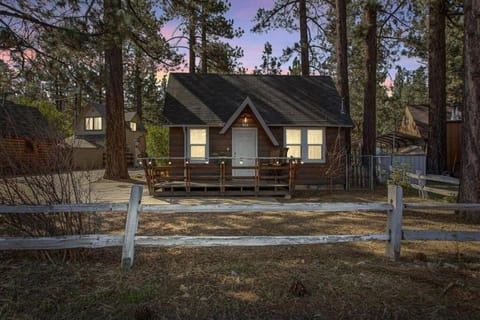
(314, 173)
(17, 153)
(220, 145)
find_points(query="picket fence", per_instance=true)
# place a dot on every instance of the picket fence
(393, 235)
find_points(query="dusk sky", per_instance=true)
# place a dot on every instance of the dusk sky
(242, 12)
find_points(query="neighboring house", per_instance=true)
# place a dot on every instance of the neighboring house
(247, 117)
(89, 140)
(414, 125)
(26, 139)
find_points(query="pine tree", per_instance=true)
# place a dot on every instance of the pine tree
(107, 27)
(204, 27)
(470, 171)
(293, 16)
(437, 123)
(270, 64)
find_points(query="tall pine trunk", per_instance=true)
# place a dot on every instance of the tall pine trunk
(204, 68)
(115, 141)
(437, 115)
(342, 62)
(470, 171)
(192, 37)
(138, 84)
(304, 38)
(370, 88)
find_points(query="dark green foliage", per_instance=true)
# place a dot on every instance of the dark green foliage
(58, 120)
(286, 15)
(270, 64)
(157, 141)
(205, 28)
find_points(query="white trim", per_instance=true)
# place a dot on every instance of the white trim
(236, 114)
(304, 145)
(207, 145)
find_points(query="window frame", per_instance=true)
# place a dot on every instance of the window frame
(206, 145)
(93, 118)
(304, 145)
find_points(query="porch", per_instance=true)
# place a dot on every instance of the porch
(218, 176)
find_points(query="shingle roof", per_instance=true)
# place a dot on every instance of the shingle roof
(129, 115)
(22, 121)
(210, 99)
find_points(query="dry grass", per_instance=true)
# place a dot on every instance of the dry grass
(434, 280)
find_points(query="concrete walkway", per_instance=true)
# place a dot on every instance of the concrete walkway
(119, 192)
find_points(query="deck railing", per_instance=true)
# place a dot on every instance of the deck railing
(219, 175)
(393, 235)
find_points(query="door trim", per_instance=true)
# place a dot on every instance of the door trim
(233, 144)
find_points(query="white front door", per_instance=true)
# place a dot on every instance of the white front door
(244, 150)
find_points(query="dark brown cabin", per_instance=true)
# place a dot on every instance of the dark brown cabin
(26, 139)
(257, 133)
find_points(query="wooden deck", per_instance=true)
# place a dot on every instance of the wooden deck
(181, 178)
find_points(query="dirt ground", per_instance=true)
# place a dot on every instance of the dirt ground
(433, 280)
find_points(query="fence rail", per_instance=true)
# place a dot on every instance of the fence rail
(423, 189)
(393, 236)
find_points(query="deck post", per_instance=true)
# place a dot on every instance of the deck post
(394, 222)
(222, 176)
(187, 176)
(128, 250)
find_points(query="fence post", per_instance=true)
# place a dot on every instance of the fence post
(394, 222)
(421, 184)
(131, 225)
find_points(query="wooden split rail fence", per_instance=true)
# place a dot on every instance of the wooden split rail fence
(423, 189)
(393, 235)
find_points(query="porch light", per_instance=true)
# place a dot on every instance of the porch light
(241, 162)
(186, 162)
(206, 162)
(245, 120)
(169, 163)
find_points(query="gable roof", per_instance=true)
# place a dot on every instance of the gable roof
(420, 116)
(212, 99)
(129, 115)
(22, 121)
(248, 103)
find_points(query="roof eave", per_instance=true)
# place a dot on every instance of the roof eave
(261, 121)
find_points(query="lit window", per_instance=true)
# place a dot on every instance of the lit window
(306, 143)
(133, 126)
(198, 144)
(293, 141)
(93, 123)
(314, 144)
